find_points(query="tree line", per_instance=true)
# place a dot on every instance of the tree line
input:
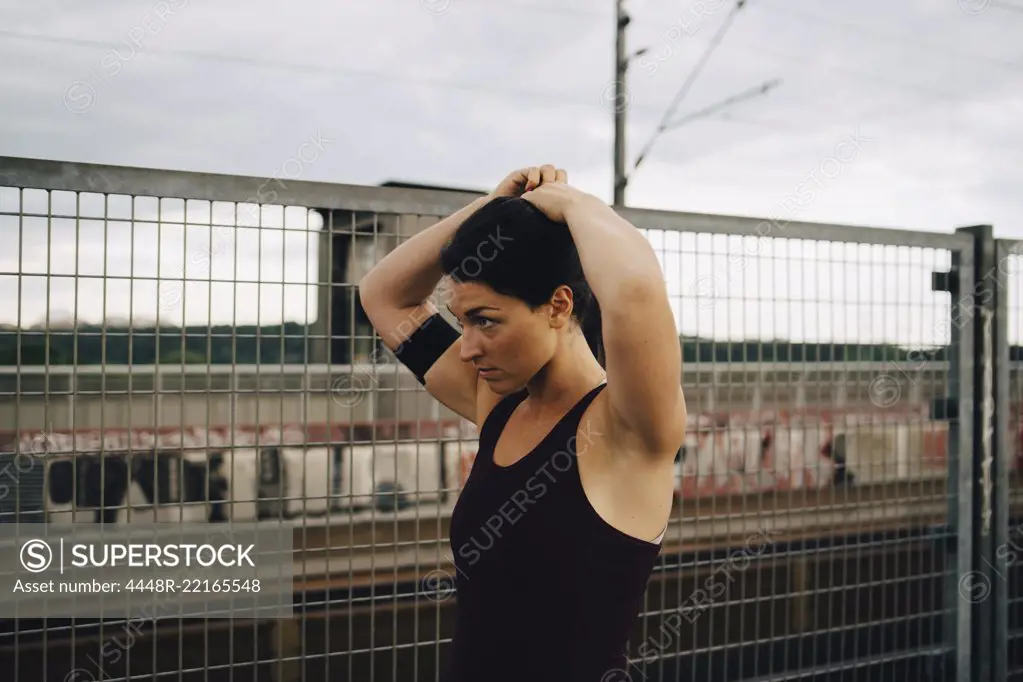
(293, 343)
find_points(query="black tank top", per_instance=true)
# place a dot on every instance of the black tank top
(546, 589)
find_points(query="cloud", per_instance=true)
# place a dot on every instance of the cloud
(464, 97)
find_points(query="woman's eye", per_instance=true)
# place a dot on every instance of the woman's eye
(481, 322)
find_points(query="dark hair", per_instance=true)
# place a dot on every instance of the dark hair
(516, 250)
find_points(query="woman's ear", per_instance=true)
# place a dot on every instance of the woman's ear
(560, 307)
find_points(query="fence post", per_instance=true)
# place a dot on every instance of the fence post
(977, 584)
(1000, 469)
(957, 408)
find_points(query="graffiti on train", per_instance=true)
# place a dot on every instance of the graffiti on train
(786, 452)
(219, 475)
(217, 436)
(289, 471)
(239, 484)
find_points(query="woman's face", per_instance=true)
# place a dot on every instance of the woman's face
(503, 339)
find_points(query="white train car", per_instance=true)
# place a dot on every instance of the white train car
(249, 484)
(120, 487)
(389, 476)
(222, 476)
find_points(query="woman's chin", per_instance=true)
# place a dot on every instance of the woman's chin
(501, 384)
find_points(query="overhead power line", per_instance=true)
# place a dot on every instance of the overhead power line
(622, 178)
(798, 60)
(904, 41)
(307, 69)
(723, 104)
(684, 90)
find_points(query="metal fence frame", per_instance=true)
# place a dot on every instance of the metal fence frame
(975, 642)
(997, 511)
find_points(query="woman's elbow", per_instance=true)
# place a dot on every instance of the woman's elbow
(369, 290)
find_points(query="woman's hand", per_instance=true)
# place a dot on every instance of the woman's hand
(557, 200)
(526, 179)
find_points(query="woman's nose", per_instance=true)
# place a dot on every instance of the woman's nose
(469, 348)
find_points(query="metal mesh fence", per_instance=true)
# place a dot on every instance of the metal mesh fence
(182, 348)
(812, 427)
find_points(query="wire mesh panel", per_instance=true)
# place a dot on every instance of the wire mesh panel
(182, 349)
(815, 503)
(189, 349)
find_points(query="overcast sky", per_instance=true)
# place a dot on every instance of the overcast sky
(920, 100)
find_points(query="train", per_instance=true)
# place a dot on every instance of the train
(220, 474)
(294, 471)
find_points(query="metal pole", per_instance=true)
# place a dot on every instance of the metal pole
(621, 63)
(1003, 439)
(957, 537)
(985, 523)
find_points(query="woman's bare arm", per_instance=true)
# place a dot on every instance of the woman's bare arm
(641, 344)
(395, 295)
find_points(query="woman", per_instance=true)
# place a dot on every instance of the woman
(580, 412)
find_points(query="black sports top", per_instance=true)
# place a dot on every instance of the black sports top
(546, 589)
